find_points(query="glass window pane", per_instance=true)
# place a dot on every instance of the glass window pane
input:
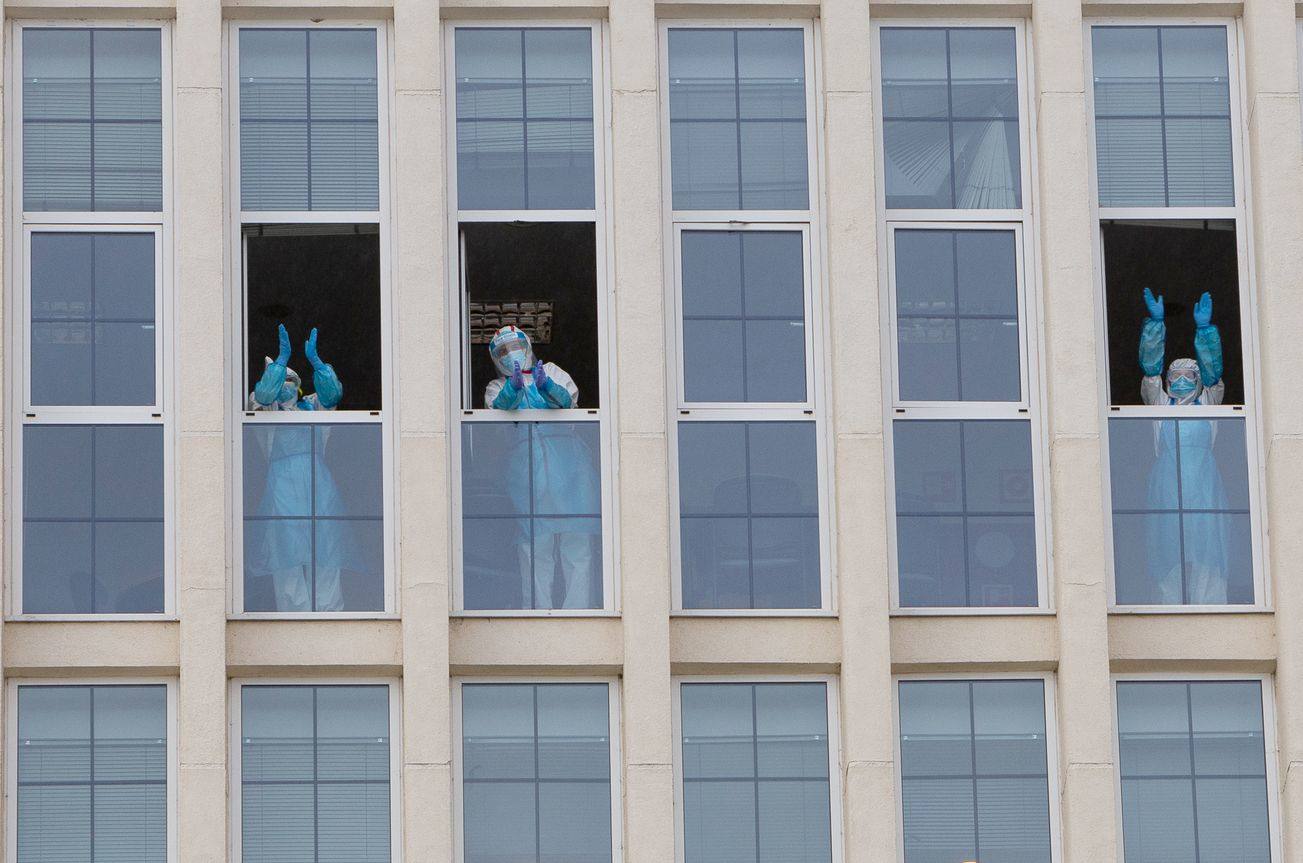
(1228, 728)
(554, 741)
(308, 119)
(939, 820)
(791, 730)
(1181, 529)
(764, 477)
(313, 517)
(1162, 116)
(92, 519)
(546, 505)
(92, 773)
(737, 119)
(950, 131)
(92, 119)
(524, 118)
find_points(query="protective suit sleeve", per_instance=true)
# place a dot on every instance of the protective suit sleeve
(1213, 395)
(268, 388)
(561, 387)
(501, 394)
(1153, 341)
(560, 391)
(329, 390)
(1208, 353)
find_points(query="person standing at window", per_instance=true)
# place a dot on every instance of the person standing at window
(1185, 470)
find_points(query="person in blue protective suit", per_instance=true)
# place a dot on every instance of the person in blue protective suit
(1185, 468)
(552, 475)
(298, 483)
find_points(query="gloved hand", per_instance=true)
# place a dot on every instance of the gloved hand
(540, 377)
(269, 386)
(1203, 310)
(517, 379)
(1155, 305)
(310, 350)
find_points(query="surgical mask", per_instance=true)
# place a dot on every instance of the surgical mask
(1182, 385)
(511, 352)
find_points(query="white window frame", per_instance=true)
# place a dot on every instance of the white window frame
(616, 755)
(237, 373)
(11, 749)
(1248, 412)
(1051, 748)
(460, 390)
(17, 307)
(817, 351)
(235, 819)
(1029, 408)
(1271, 746)
(835, 800)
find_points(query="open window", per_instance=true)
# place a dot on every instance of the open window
(310, 331)
(1182, 436)
(527, 181)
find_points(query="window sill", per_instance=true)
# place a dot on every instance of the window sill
(1190, 609)
(91, 618)
(977, 611)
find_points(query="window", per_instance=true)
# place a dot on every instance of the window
(310, 321)
(950, 124)
(315, 778)
(1194, 771)
(746, 321)
(756, 772)
(536, 767)
(962, 370)
(93, 772)
(1181, 421)
(91, 324)
(974, 770)
(533, 479)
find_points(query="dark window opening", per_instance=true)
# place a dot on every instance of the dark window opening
(322, 276)
(1178, 260)
(542, 278)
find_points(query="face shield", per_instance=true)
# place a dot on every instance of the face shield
(1183, 381)
(509, 347)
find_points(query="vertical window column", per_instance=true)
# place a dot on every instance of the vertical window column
(748, 400)
(94, 303)
(963, 372)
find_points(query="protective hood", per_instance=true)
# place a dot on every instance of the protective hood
(1184, 384)
(292, 387)
(511, 345)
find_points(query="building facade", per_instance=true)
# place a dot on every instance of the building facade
(862, 518)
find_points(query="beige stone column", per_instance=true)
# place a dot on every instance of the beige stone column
(860, 553)
(419, 290)
(1069, 301)
(201, 452)
(641, 425)
(1275, 190)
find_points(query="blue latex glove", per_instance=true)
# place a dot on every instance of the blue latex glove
(517, 379)
(1155, 306)
(326, 384)
(513, 390)
(267, 392)
(1208, 351)
(551, 390)
(1153, 340)
(1203, 311)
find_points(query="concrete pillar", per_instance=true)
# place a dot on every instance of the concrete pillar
(419, 282)
(1072, 367)
(851, 285)
(201, 451)
(641, 424)
(1274, 161)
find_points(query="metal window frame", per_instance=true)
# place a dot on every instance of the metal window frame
(809, 223)
(11, 749)
(833, 704)
(17, 308)
(237, 276)
(614, 719)
(1270, 741)
(1248, 412)
(1051, 746)
(459, 348)
(1022, 222)
(234, 720)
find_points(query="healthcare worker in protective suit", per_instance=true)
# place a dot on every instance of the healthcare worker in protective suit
(1199, 486)
(298, 483)
(559, 470)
